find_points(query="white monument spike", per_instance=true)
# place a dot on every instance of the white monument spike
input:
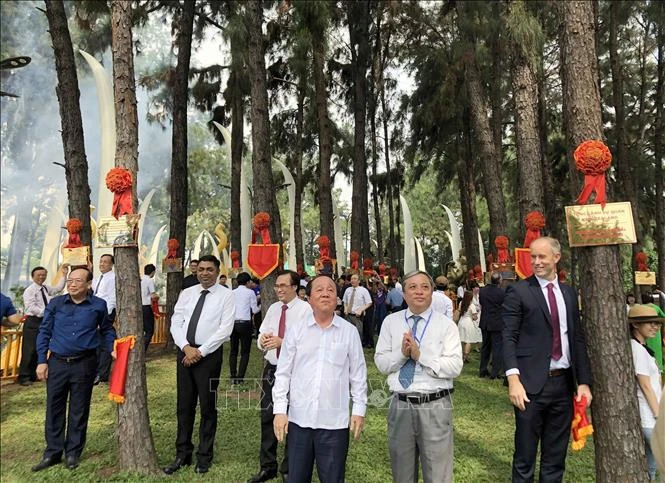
(456, 240)
(199, 243)
(143, 211)
(420, 256)
(291, 190)
(53, 237)
(152, 256)
(481, 249)
(340, 249)
(410, 261)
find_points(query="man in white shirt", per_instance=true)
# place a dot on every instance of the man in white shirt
(420, 351)
(246, 306)
(321, 361)
(202, 320)
(148, 293)
(356, 300)
(280, 317)
(35, 299)
(440, 301)
(104, 288)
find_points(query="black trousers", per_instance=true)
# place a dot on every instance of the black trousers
(73, 381)
(368, 328)
(268, 452)
(328, 447)
(148, 325)
(198, 383)
(492, 347)
(103, 356)
(241, 335)
(546, 419)
(27, 371)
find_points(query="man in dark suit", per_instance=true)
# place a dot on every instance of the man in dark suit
(491, 325)
(544, 353)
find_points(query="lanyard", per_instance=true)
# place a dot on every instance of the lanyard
(406, 321)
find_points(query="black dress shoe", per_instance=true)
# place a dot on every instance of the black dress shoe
(45, 463)
(177, 464)
(71, 462)
(96, 381)
(262, 475)
(201, 468)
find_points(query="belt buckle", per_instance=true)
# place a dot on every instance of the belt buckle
(413, 399)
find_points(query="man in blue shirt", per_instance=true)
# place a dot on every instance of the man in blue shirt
(69, 331)
(395, 298)
(7, 311)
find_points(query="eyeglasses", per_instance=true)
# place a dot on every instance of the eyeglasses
(283, 286)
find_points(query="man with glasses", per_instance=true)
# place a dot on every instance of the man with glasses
(283, 314)
(419, 349)
(69, 332)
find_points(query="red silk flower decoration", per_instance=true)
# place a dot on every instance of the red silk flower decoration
(172, 246)
(477, 272)
(235, 259)
(74, 228)
(355, 256)
(562, 275)
(641, 262)
(534, 222)
(382, 269)
(119, 181)
(501, 243)
(261, 222)
(593, 158)
(367, 264)
(581, 427)
(324, 247)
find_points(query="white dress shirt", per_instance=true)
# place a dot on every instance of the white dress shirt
(564, 361)
(316, 369)
(361, 299)
(104, 288)
(216, 321)
(33, 303)
(245, 302)
(440, 351)
(442, 303)
(296, 313)
(147, 289)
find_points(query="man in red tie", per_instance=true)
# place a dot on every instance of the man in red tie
(288, 310)
(546, 364)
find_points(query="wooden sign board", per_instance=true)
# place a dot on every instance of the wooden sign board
(76, 257)
(645, 278)
(122, 232)
(593, 225)
(172, 265)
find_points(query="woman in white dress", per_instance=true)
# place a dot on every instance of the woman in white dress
(469, 330)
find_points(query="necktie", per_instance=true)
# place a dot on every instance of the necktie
(282, 326)
(351, 300)
(43, 292)
(556, 329)
(407, 371)
(99, 282)
(194, 320)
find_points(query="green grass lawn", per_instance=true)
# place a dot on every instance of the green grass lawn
(483, 421)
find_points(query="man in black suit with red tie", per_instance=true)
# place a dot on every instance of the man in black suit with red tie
(546, 364)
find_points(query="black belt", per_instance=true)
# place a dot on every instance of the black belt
(558, 372)
(425, 398)
(238, 321)
(75, 357)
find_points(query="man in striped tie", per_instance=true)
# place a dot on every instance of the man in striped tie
(419, 350)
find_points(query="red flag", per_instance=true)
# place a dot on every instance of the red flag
(262, 259)
(119, 372)
(581, 427)
(523, 266)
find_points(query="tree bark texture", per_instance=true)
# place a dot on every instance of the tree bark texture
(136, 450)
(549, 198)
(358, 20)
(263, 183)
(489, 158)
(392, 244)
(179, 172)
(297, 161)
(530, 175)
(466, 177)
(76, 163)
(237, 141)
(377, 74)
(617, 437)
(659, 144)
(495, 85)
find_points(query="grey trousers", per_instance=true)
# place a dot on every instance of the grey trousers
(421, 432)
(358, 322)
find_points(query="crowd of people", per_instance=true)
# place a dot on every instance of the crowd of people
(314, 381)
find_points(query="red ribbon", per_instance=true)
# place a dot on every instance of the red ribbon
(504, 257)
(74, 241)
(531, 235)
(122, 204)
(593, 183)
(119, 372)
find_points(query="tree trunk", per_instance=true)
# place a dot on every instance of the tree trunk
(325, 141)
(179, 174)
(377, 74)
(263, 183)
(489, 158)
(549, 198)
(658, 143)
(620, 159)
(297, 161)
(617, 437)
(76, 163)
(466, 177)
(495, 84)
(525, 96)
(392, 243)
(136, 450)
(358, 20)
(237, 142)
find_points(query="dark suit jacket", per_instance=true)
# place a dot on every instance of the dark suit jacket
(527, 334)
(491, 313)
